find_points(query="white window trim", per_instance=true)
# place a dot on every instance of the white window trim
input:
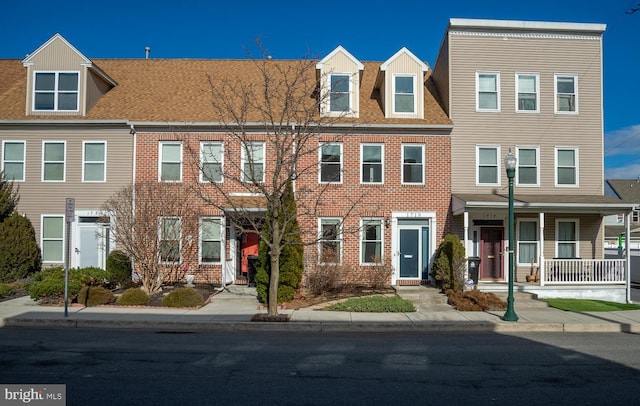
(536, 241)
(423, 164)
(537, 149)
(415, 94)
(362, 234)
(381, 162)
(350, 91)
(555, 93)
(339, 238)
(160, 224)
(202, 143)
(64, 162)
(160, 161)
(104, 162)
(24, 158)
(56, 91)
(324, 182)
(478, 108)
(537, 76)
(498, 165)
(200, 240)
(577, 167)
(42, 217)
(243, 176)
(577, 240)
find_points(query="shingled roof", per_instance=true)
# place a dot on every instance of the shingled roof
(178, 90)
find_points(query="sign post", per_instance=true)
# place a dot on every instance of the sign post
(69, 216)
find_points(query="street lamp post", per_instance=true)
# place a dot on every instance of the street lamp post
(510, 165)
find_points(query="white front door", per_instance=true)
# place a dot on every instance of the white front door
(93, 243)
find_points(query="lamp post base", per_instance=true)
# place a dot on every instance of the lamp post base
(510, 315)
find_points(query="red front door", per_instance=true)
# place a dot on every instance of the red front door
(249, 246)
(491, 252)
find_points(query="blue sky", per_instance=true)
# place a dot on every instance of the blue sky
(295, 29)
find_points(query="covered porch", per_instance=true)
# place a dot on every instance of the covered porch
(558, 245)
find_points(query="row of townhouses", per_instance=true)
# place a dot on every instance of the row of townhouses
(421, 153)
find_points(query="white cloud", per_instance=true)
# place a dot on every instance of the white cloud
(631, 171)
(625, 141)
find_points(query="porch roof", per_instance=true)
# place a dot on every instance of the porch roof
(243, 203)
(461, 202)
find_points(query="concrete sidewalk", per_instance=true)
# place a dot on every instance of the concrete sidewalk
(232, 309)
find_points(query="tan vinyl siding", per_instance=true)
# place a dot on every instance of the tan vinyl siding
(96, 87)
(441, 74)
(341, 63)
(508, 128)
(403, 65)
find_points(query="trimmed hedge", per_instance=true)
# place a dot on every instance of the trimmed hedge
(183, 297)
(133, 297)
(50, 281)
(95, 296)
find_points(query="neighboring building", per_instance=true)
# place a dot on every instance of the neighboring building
(533, 88)
(629, 191)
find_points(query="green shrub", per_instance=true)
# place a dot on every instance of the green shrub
(183, 297)
(119, 268)
(50, 282)
(95, 296)
(5, 289)
(449, 264)
(19, 251)
(133, 297)
(374, 304)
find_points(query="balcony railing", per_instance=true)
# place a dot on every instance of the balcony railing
(583, 271)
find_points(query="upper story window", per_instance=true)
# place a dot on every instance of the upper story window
(566, 94)
(488, 165)
(487, 91)
(566, 167)
(331, 163)
(527, 91)
(13, 161)
(52, 231)
(94, 162)
(56, 91)
(53, 161)
(567, 237)
(340, 93)
(253, 162)
(528, 166)
(413, 164)
(170, 158)
(211, 232)
(372, 163)
(211, 159)
(404, 94)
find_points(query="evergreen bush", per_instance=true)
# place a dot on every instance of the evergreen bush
(449, 266)
(50, 281)
(183, 297)
(95, 296)
(9, 198)
(119, 268)
(19, 251)
(133, 297)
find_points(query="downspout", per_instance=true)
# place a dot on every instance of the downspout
(133, 187)
(627, 253)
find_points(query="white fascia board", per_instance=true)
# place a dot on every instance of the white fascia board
(526, 25)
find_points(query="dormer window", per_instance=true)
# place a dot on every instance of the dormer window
(56, 91)
(340, 93)
(404, 95)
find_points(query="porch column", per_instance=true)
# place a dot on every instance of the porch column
(541, 247)
(466, 242)
(627, 253)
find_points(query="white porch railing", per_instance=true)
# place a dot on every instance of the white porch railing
(583, 271)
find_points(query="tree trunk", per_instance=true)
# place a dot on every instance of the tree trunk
(274, 278)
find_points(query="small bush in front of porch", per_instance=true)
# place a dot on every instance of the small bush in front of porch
(95, 296)
(374, 304)
(449, 264)
(183, 297)
(474, 301)
(133, 297)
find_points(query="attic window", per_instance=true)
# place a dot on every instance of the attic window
(404, 94)
(339, 100)
(56, 91)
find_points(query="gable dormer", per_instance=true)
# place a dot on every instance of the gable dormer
(61, 81)
(340, 74)
(400, 82)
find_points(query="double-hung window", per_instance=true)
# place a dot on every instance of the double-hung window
(566, 166)
(94, 162)
(487, 91)
(413, 164)
(527, 91)
(527, 242)
(488, 165)
(211, 240)
(170, 161)
(211, 159)
(567, 238)
(52, 238)
(331, 163)
(170, 235)
(330, 244)
(56, 91)
(253, 162)
(13, 160)
(53, 161)
(528, 166)
(371, 241)
(566, 94)
(339, 93)
(372, 163)
(404, 94)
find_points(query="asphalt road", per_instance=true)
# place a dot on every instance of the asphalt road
(122, 367)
